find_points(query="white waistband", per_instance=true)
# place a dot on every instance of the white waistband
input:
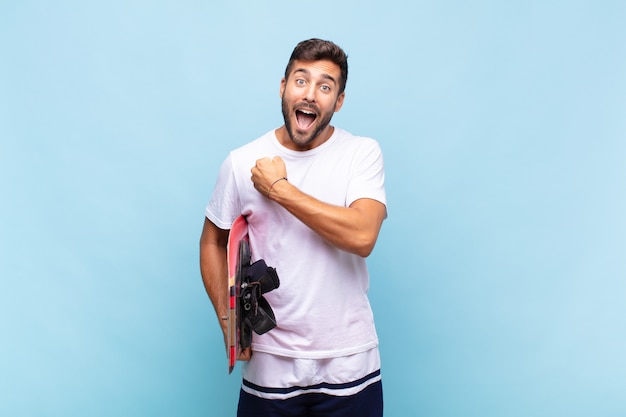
(278, 377)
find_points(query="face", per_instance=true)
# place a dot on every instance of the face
(310, 96)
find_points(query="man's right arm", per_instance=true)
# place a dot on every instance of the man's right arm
(214, 269)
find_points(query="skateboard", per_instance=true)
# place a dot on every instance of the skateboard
(238, 252)
(248, 310)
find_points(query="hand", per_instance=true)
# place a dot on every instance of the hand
(266, 171)
(245, 355)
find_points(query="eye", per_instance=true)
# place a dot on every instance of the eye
(325, 88)
(300, 81)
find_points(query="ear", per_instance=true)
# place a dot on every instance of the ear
(339, 101)
(283, 83)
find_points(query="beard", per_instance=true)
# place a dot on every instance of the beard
(302, 139)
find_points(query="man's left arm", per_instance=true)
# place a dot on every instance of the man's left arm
(353, 229)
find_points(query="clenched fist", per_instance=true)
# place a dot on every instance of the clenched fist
(266, 172)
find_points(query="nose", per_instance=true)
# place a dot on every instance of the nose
(309, 93)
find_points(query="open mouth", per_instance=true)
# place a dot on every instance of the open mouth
(305, 118)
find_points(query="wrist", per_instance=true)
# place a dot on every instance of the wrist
(272, 186)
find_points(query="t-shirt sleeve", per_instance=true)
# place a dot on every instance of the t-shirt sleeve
(224, 205)
(368, 180)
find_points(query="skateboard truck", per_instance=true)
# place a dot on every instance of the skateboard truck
(256, 313)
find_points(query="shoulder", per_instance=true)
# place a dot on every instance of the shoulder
(348, 139)
(259, 144)
(245, 156)
(354, 146)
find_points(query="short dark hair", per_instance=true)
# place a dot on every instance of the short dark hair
(316, 50)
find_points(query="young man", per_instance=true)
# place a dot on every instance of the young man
(314, 199)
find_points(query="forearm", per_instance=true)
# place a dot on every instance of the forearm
(353, 229)
(215, 280)
(214, 270)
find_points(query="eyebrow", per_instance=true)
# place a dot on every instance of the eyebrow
(307, 72)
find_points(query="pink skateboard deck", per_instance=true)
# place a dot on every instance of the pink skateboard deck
(238, 251)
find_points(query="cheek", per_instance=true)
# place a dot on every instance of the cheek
(333, 106)
(287, 95)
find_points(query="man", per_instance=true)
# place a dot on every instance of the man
(314, 199)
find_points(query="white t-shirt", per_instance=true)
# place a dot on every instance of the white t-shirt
(321, 306)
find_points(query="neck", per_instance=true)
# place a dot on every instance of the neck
(284, 138)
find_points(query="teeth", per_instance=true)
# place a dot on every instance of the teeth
(307, 112)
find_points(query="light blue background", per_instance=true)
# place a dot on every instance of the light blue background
(499, 279)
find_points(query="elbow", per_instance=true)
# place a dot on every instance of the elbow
(364, 253)
(365, 247)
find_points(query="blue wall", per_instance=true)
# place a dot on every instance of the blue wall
(499, 280)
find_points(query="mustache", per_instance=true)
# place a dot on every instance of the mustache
(307, 106)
